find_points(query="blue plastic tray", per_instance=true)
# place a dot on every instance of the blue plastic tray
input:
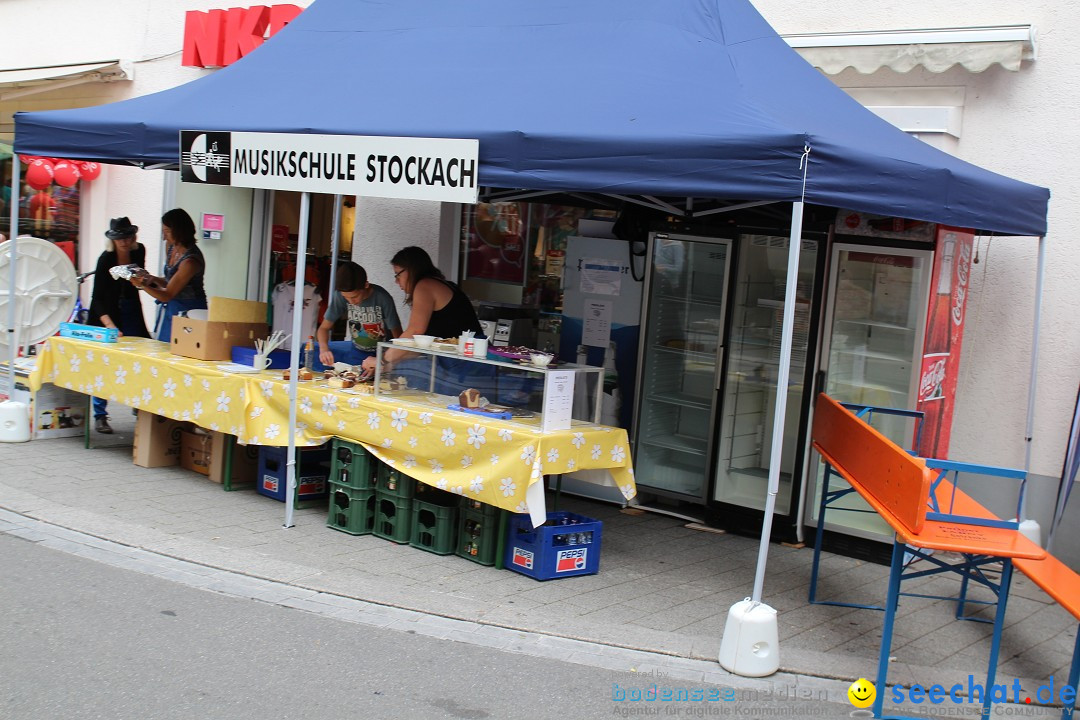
(479, 411)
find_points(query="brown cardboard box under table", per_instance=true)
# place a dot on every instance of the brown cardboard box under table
(157, 440)
(162, 441)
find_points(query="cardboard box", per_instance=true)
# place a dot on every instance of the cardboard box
(230, 322)
(245, 462)
(195, 448)
(157, 440)
(203, 451)
(54, 411)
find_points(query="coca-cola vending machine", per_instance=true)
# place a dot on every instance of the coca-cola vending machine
(944, 337)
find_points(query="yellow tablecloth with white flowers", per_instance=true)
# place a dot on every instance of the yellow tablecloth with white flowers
(498, 462)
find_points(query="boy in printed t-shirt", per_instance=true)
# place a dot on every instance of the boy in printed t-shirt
(370, 315)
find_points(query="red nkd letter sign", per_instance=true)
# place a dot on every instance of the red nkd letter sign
(217, 38)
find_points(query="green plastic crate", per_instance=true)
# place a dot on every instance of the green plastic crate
(394, 482)
(393, 517)
(478, 534)
(434, 522)
(351, 465)
(351, 510)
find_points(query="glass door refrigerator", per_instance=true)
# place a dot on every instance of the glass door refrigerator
(749, 389)
(679, 367)
(871, 354)
(708, 370)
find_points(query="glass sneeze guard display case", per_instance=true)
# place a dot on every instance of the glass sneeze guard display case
(436, 377)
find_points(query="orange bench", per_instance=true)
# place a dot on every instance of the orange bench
(1059, 582)
(904, 492)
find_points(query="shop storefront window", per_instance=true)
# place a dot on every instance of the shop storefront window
(520, 244)
(51, 214)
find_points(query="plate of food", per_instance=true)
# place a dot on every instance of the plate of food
(445, 345)
(513, 352)
(404, 342)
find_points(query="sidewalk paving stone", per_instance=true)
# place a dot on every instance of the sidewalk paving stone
(662, 586)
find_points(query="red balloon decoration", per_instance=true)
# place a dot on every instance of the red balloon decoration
(66, 174)
(39, 174)
(27, 159)
(90, 170)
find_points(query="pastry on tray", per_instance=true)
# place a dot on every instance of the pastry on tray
(469, 398)
(301, 375)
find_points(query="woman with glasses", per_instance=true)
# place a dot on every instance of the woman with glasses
(439, 307)
(115, 303)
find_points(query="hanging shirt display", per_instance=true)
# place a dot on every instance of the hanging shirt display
(284, 297)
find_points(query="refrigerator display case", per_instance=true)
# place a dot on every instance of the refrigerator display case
(750, 381)
(679, 363)
(871, 354)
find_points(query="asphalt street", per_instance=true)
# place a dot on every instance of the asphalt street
(84, 639)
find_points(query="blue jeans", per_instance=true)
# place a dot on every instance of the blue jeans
(344, 352)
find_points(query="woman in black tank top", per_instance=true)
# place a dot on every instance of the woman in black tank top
(439, 307)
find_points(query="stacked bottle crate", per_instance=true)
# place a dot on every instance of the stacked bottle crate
(352, 488)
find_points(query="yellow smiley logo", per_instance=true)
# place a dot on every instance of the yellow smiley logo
(862, 693)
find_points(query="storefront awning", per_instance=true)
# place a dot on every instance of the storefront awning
(975, 48)
(19, 82)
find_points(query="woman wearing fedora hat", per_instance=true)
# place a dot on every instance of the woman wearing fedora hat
(115, 303)
(182, 287)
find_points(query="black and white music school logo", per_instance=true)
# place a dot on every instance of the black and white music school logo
(205, 157)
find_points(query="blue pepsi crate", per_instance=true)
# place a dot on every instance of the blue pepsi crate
(312, 473)
(566, 545)
(89, 332)
(279, 359)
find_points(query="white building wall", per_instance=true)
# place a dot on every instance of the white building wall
(1021, 124)
(385, 226)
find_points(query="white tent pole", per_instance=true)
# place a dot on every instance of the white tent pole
(298, 342)
(335, 240)
(13, 205)
(1030, 426)
(784, 372)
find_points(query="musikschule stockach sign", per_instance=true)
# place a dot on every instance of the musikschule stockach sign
(441, 169)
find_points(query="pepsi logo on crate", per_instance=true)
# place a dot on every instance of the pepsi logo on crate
(566, 545)
(571, 560)
(523, 558)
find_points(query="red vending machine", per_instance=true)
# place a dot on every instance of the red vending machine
(944, 338)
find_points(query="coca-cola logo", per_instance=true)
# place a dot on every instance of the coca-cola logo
(933, 378)
(963, 274)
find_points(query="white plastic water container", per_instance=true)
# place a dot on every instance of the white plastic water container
(14, 422)
(751, 644)
(1031, 530)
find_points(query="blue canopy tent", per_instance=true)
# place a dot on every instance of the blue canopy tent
(691, 98)
(637, 99)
